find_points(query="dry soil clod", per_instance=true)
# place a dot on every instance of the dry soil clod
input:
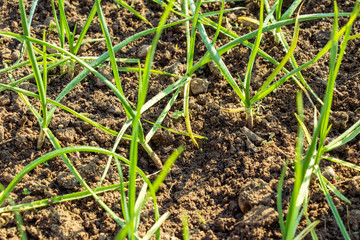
(261, 216)
(177, 68)
(339, 119)
(107, 73)
(253, 193)
(4, 100)
(199, 85)
(67, 180)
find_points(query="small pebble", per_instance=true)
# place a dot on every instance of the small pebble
(115, 27)
(94, 144)
(85, 126)
(177, 68)
(149, 14)
(329, 174)
(244, 206)
(7, 177)
(99, 83)
(51, 50)
(15, 55)
(144, 51)
(173, 19)
(167, 55)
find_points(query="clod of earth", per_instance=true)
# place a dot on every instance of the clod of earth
(261, 216)
(255, 192)
(177, 68)
(15, 55)
(199, 85)
(66, 135)
(89, 169)
(72, 226)
(339, 119)
(14, 24)
(67, 180)
(38, 188)
(7, 177)
(107, 74)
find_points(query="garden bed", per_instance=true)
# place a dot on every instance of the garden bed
(207, 183)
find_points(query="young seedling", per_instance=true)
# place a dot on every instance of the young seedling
(39, 80)
(26, 191)
(186, 233)
(244, 93)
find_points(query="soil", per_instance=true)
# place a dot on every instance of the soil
(228, 186)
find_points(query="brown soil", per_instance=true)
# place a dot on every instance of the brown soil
(210, 184)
